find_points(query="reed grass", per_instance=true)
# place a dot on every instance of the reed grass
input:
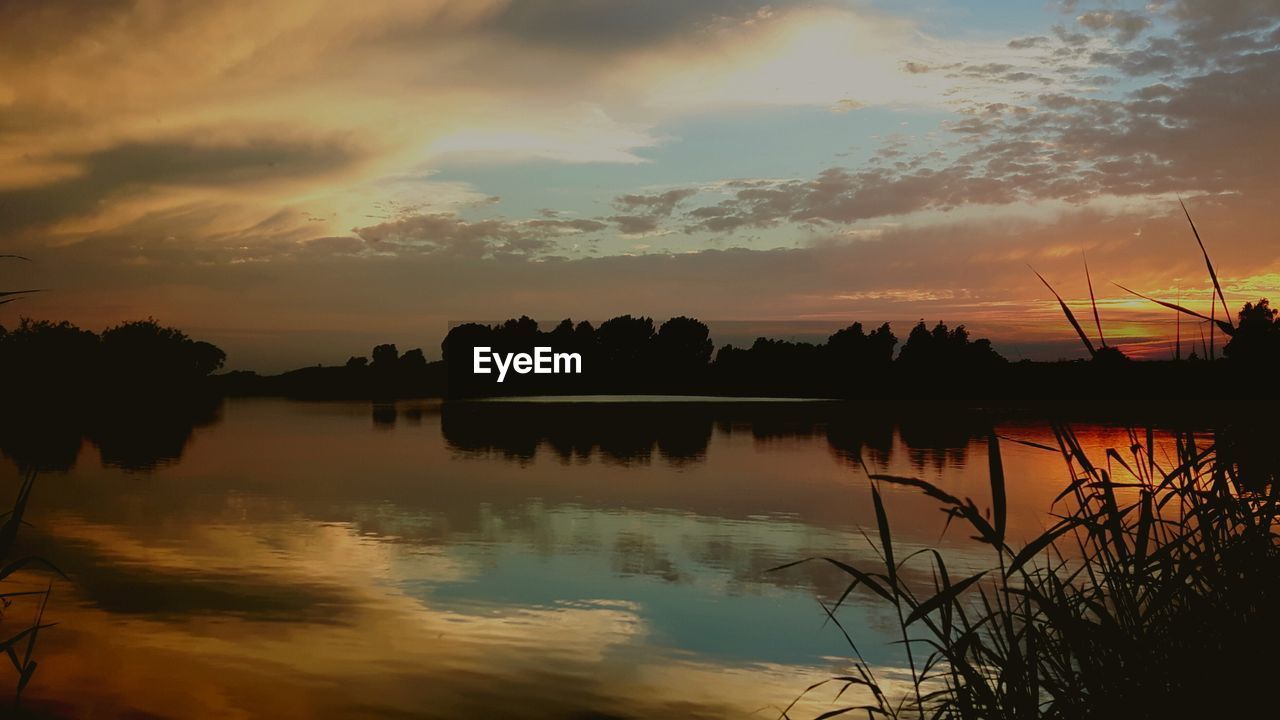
(20, 646)
(1155, 593)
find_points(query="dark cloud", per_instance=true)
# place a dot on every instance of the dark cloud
(400, 294)
(618, 24)
(1074, 39)
(129, 169)
(1205, 132)
(24, 26)
(1028, 42)
(1209, 34)
(643, 213)
(986, 69)
(1125, 24)
(842, 196)
(635, 224)
(661, 204)
(1138, 62)
(1208, 24)
(563, 226)
(448, 234)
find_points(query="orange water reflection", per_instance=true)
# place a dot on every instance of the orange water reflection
(305, 560)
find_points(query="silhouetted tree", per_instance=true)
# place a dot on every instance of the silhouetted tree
(943, 348)
(357, 362)
(881, 343)
(1111, 355)
(682, 351)
(385, 356)
(854, 350)
(37, 350)
(850, 341)
(623, 342)
(413, 360)
(562, 335)
(524, 328)
(457, 343)
(1257, 334)
(919, 345)
(151, 353)
(684, 342)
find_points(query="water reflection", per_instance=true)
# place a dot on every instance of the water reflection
(135, 437)
(680, 433)
(305, 560)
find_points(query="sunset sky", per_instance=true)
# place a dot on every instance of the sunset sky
(296, 181)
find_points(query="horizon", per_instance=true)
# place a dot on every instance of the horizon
(302, 182)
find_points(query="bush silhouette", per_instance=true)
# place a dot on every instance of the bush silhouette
(1257, 336)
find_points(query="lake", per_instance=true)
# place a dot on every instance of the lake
(524, 560)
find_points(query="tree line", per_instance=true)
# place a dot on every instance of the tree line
(625, 354)
(139, 357)
(634, 354)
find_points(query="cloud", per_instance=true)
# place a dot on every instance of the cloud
(447, 234)
(134, 168)
(616, 25)
(217, 159)
(635, 224)
(1211, 24)
(643, 213)
(1028, 42)
(1125, 24)
(841, 196)
(661, 204)
(405, 281)
(1204, 132)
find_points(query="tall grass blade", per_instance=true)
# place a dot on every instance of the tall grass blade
(1071, 318)
(1213, 274)
(1228, 329)
(886, 538)
(1097, 319)
(945, 597)
(1040, 544)
(998, 499)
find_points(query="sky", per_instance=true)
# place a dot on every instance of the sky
(297, 181)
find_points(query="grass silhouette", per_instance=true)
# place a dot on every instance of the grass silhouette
(1153, 591)
(1152, 595)
(20, 647)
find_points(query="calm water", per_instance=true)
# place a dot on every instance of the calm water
(484, 560)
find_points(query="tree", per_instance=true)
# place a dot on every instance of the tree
(151, 352)
(525, 328)
(881, 343)
(941, 347)
(413, 360)
(563, 334)
(684, 343)
(60, 352)
(457, 344)
(385, 356)
(1257, 334)
(624, 340)
(919, 346)
(854, 347)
